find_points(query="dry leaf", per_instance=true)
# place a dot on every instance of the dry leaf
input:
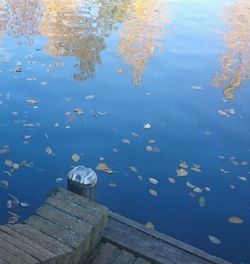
(153, 192)
(214, 240)
(75, 157)
(153, 181)
(49, 150)
(171, 180)
(235, 220)
(181, 172)
(104, 167)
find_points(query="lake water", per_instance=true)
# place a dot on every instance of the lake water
(151, 88)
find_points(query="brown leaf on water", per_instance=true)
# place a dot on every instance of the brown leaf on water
(75, 157)
(235, 220)
(153, 181)
(32, 101)
(184, 165)
(8, 163)
(104, 167)
(149, 225)
(153, 192)
(181, 172)
(79, 111)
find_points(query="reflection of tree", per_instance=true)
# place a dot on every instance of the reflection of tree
(22, 19)
(236, 62)
(72, 31)
(144, 27)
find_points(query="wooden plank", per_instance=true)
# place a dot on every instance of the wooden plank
(107, 254)
(42, 239)
(87, 215)
(10, 258)
(3, 261)
(14, 255)
(75, 225)
(53, 230)
(124, 258)
(70, 196)
(28, 246)
(146, 244)
(167, 239)
(141, 261)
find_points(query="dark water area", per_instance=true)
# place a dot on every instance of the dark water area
(157, 91)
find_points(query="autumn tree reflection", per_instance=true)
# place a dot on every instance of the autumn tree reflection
(144, 27)
(72, 31)
(22, 19)
(236, 61)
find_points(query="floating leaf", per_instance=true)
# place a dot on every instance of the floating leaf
(23, 204)
(15, 166)
(59, 180)
(49, 150)
(153, 192)
(242, 178)
(89, 97)
(32, 101)
(133, 169)
(184, 165)
(171, 180)
(202, 201)
(181, 172)
(214, 240)
(197, 189)
(4, 184)
(126, 141)
(79, 111)
(104, 167)
(149, 148)
(235, 220)
(140, 178)
(112, 185)
(75, 157)
(147, 126)
(8, 163)
(135, 135)
(149, 225)
(224, 171)
(190, 185)
(153, 181)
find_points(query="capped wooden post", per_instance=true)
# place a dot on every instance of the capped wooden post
(82, 181)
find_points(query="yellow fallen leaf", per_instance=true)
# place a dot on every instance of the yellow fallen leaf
(153, 192)
(153, 181)
(184, 165)
(8, 163)
(181, 172)
(75, 157)
(104, 167)
(235, 220)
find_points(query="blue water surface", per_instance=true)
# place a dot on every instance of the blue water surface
(129, 63)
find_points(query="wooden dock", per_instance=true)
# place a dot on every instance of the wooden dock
(70, 229)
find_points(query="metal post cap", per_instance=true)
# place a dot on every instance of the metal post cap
(82, 175)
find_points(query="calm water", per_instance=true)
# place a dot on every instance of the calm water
(144, 86)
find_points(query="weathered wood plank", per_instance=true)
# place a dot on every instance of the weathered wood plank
(70, 196)
(85, 214)
(107, 254)
(3, 261)
(155, 247)
(141, 261)
(14, 255)
(124, 258)
(53, 230)
(75, 225)
(42, 239)
(10, 258)
(28, 246)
